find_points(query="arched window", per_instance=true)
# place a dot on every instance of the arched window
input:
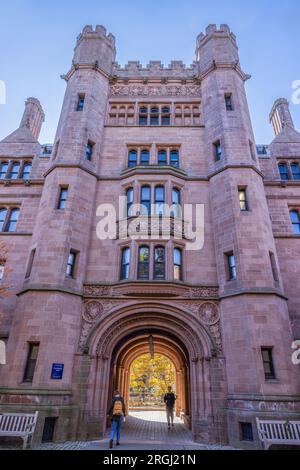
(26, 171)
(176, 209)
(295, 219)
(143, 116)
(162, 157)
(125, 264)
(159, 263)
(3, 213)
(129, 197)
(154, 116)
(143, 263)
(145, 157)
(13, 220)
(174, 158)
(3, 170)
(159, 200)
(165, 116)
(295, 171)
(132, 158)
(177, 264)
(284, 172)
(145, 200)
(14, 173)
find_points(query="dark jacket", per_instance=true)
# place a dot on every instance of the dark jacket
(121, 399)
(169, 400)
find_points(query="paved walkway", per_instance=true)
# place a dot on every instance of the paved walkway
(143, 430)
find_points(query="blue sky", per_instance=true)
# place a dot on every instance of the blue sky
(37, 40)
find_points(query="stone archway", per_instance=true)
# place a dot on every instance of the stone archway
(183, 336)
(131, 348)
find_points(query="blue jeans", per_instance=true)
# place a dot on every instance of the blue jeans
(116, 427)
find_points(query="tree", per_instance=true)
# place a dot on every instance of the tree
(152, 376)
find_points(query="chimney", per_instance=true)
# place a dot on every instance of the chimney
(280, 116)
(33, 116)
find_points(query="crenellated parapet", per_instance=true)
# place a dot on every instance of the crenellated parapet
(155, 69)
(96, 48)
(216, 46)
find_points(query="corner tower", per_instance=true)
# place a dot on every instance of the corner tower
(49, 306)
(255, 321)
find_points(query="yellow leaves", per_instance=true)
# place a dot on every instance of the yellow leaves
(152, 376)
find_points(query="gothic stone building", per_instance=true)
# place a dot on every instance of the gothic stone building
(226, 315)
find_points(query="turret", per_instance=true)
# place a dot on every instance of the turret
(280, 116)
(218, 45)
(95, 47)
(57, 258)
(247, 263)
(33, 116)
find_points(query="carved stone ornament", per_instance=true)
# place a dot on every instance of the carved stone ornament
(92, 311)
(209, 313)
(155, 90)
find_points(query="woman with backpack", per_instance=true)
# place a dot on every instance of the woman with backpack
(117, 412)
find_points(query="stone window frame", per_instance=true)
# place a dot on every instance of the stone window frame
(229, 270)
(127, 113)
(26, 378)
(61, 188)
(270, 350)
(135, 246)
(123, 248)
(229, 105)
(21, 162)
(168, 148)
(243, 189)
(74, 266)
(80, 102)
(295, 210)
(30, 263)
(288, 164)
(169, 187)
(138, 148)
(7, 220)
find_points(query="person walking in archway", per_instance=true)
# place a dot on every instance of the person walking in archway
(117, 412)
(169, 400)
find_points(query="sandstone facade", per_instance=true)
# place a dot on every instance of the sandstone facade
(215, 324)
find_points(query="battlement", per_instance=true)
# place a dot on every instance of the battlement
(213, 31)
(100, 32)
(155, 69)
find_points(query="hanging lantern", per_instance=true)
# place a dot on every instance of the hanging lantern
(151, 346)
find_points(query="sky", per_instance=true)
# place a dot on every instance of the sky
(37, 40)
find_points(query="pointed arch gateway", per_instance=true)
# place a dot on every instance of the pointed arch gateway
(122, 335)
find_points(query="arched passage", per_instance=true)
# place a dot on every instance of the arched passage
(118, 337)
(130, 348)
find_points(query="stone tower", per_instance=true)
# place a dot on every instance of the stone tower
(58, 233)
(253, 308)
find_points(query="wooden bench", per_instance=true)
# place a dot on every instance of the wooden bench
(278, 432)
(18, 425)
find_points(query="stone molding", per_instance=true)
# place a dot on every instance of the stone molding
(155, 90)
(207, 313)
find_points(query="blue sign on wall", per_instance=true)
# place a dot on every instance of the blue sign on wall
(57, 371)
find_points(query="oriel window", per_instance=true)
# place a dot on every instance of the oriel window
(145, 200)
(159, 200)
(132, 158)
(143, 263)
(159, 263)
